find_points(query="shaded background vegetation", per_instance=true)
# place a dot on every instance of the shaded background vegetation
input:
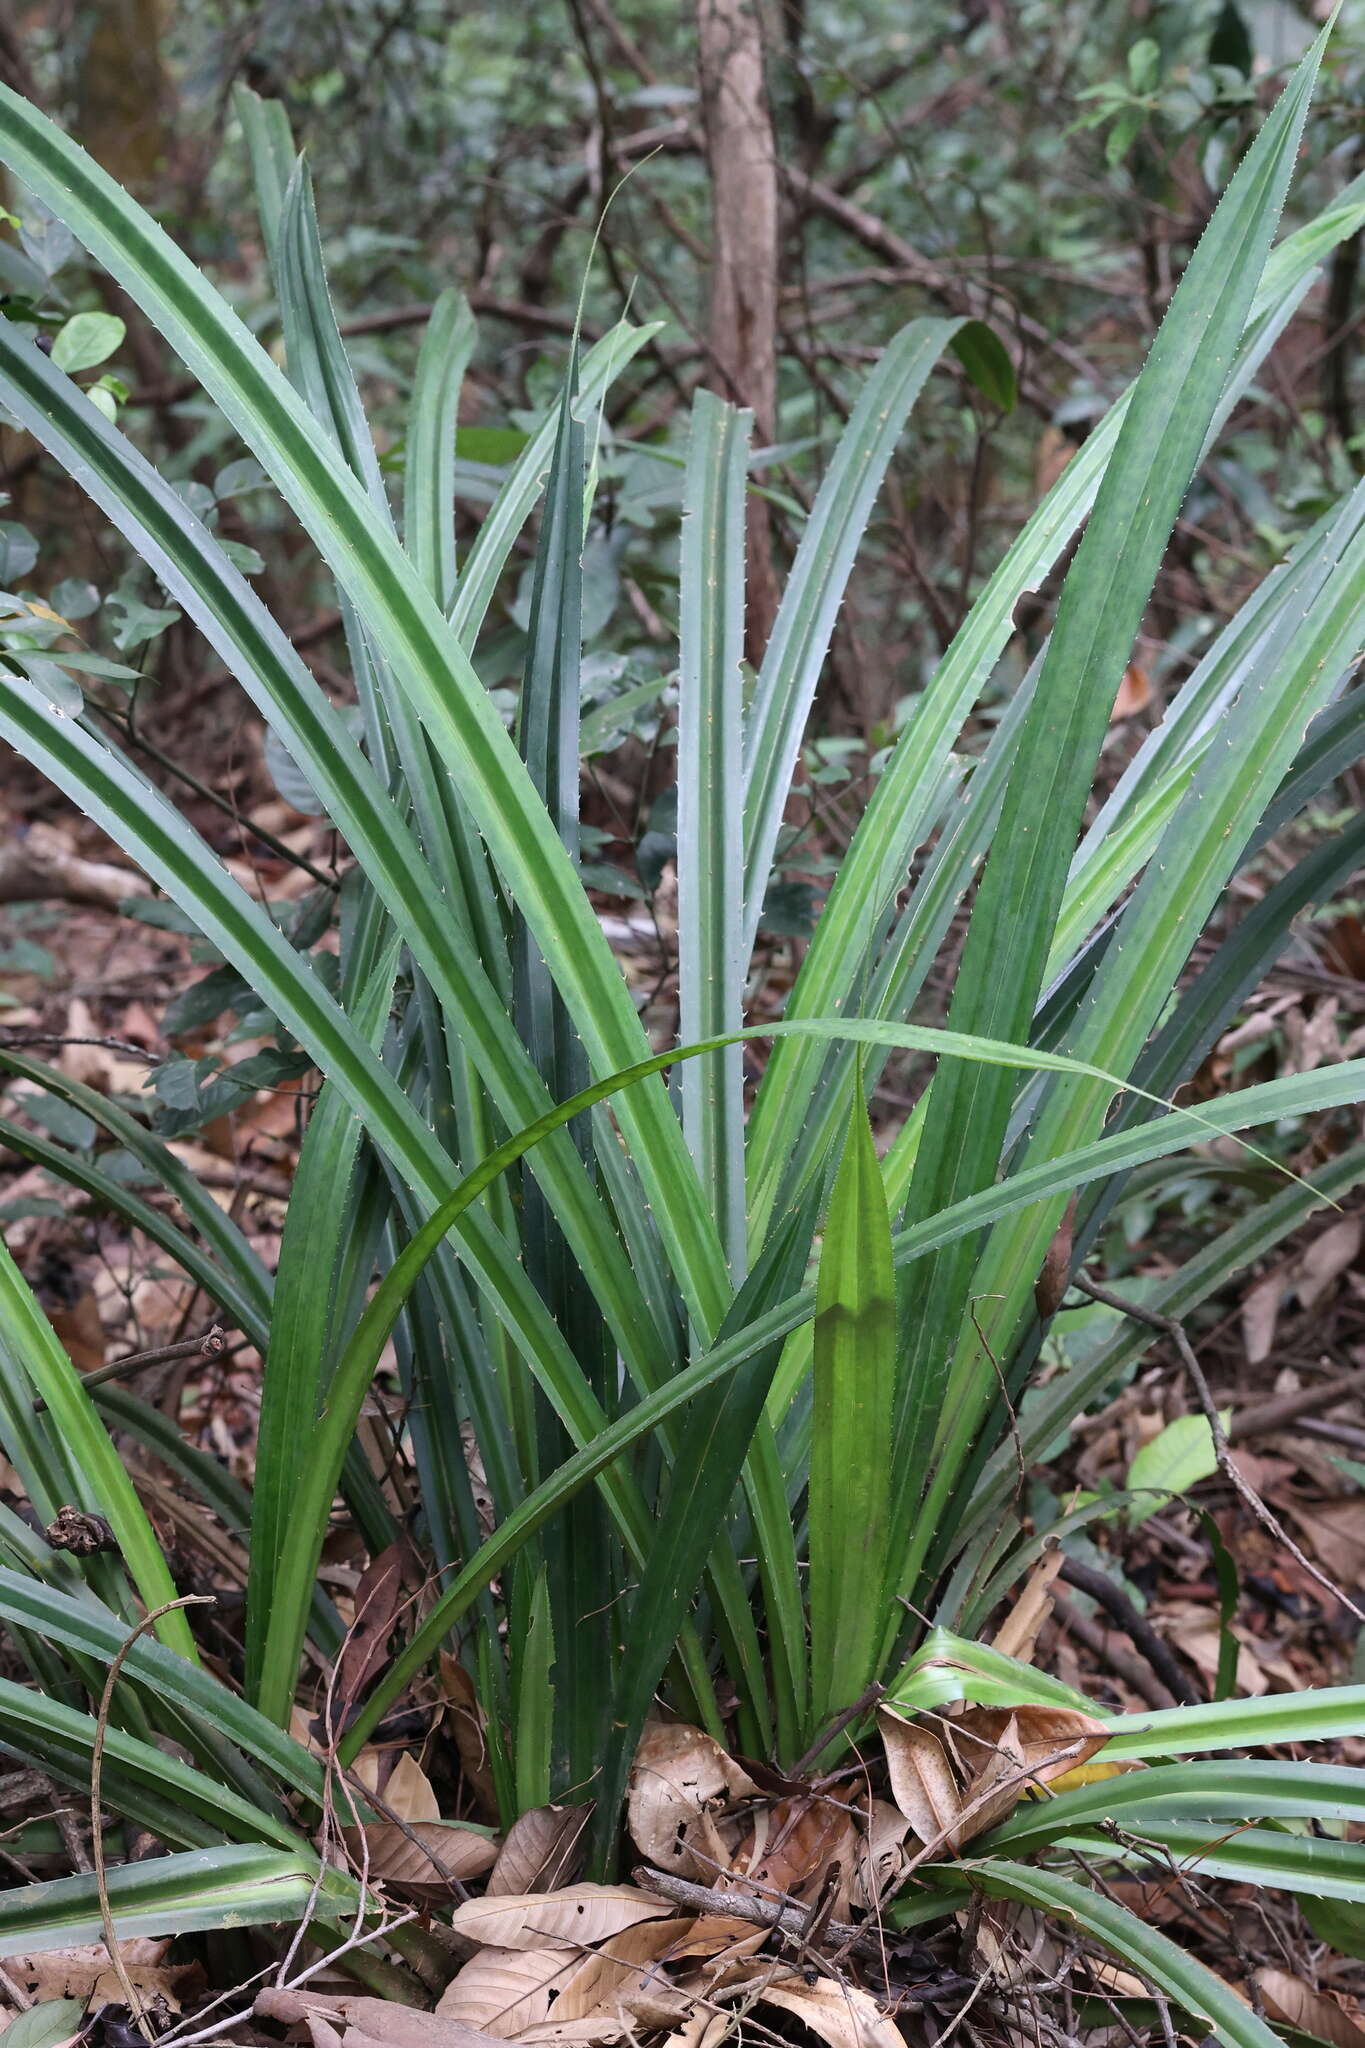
(1047, 165)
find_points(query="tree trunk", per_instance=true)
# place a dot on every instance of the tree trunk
(743, 169)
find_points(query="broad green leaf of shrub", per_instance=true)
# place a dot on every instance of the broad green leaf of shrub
(1174, 1461)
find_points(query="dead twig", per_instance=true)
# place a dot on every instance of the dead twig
(1123, 1663)
(791, 1923)
(1269, 1521)
(836, 1727)
(211, 1344)
(1139, 1631)
(1268, 1416)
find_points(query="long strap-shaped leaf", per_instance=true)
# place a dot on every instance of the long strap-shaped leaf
(1194, 859)
(898, 814)
(1155, 1956)
(1003, 961)
(1203, 1791)
(1272, 1859)
(189, 562)
(236, 1886)
(105, 1485)
(853, 1381)
(805, 620)
(1333, 1085)
(429, 475)
(710, 806)
(427, 659)
(493, 543)
(318, 1226)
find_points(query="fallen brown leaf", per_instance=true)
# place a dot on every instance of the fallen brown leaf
(790, 1847)
(85, 1972)
(365, 1649)
(1296, 2004)
(507, 1990)
(622, 1980)
(923, 1783)
(842, 2014)
(539, 1852)
(366, 2019)
(679, 1773)
(1134, 693)
(471, 1740)
(582, 1914)
(428, 1852)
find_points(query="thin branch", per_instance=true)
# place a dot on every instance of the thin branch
(211, 1344)
(1139, 1631)
(791, 1922)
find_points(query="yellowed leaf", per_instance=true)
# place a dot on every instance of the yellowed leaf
(583, 1914)
(1091, 1774)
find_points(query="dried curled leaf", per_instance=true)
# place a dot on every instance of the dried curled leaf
(791, 1846)
(1050, 1741)
(923, 1783)
(1296, 2004)
(539, 1851)
(881, 1856)
(842, 2014)
(679, 1773)
(427, 1853)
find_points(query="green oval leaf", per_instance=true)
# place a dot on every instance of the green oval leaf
(86, 339)
(1172, 1462)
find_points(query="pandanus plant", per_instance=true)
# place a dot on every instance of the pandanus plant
(744, 1393)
